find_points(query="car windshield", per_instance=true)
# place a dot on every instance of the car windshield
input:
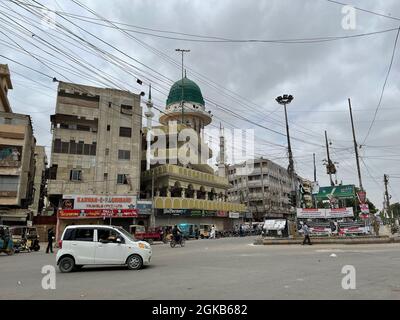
(126, 234)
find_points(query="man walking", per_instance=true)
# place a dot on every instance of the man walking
(306, 232)
(50, 235)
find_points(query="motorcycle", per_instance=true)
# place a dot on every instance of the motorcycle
(173, 242)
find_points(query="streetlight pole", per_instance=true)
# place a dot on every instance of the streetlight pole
(182, 51)
(284, 100)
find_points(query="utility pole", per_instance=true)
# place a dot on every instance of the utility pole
(284, 100)
(262, 186)
(182, 51)
(386, 180)
(315, 169)
(330, 164)
(355, 147)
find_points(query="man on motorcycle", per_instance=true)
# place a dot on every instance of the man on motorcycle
(177, 234)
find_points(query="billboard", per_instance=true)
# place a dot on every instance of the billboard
(325, 213)
(144, 207)
(96, 213)
(310, 213)
(98, 202)
(338, 192)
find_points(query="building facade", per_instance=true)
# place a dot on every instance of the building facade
(95, 149)
(175, 173)
(39, 183)
(17, 167)
(264, 186)
(5, 85)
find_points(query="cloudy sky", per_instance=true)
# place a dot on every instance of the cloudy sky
(241, 77)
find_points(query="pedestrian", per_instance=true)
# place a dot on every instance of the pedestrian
(306, 232)
(50, 238)
(241, 230)
(212, 233)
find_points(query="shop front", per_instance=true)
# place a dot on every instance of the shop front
(170, 217)
(97, 210)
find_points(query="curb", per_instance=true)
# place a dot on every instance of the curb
(364, 240)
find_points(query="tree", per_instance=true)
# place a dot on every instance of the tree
(395, 209)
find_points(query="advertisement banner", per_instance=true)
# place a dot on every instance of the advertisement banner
(364, 208)
(339, 213)
(338, 192)
(362, 196)
(325, 213)
(310, 213)
(234, 215)
(144, 207)
(88, 202)
(222, 214)
(96, 213)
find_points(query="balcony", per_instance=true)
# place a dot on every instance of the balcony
(10, 164)
(185, 173)
(189, 203)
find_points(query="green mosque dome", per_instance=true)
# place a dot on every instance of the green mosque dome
(191, 92)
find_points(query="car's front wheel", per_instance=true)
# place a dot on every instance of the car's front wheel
(66, 264)
(134, 262)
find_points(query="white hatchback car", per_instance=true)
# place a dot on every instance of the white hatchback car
(100, 245)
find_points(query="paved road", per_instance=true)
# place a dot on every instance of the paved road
(230, 268)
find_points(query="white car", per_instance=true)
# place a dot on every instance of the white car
(100, 245)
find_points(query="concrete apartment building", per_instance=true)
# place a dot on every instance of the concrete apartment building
(264, 187)
(39, 183)
(17, 162)
(5, 85)
(17, 167)
(95, 146)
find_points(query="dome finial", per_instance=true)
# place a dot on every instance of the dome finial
(185, 73)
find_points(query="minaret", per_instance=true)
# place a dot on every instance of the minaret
(149, 117)
(221, 160)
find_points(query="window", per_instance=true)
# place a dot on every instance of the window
(72, 147)
(82, 128)
(53, 172)
(64, 147)
(69, 234)
(86, 149)
(57, 146)
(125, 132)
(75, 175)
(125, 109)
(93, 149)
(82, 234)
(105, 176)
(124, 155)
(109, 104)
(108, 127)
(108, 235)
(121, 179)
(79, 149)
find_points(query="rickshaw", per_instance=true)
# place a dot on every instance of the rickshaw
(189, 230)
(152, 234)
(6, 243)
(205, 230)
(25, 238)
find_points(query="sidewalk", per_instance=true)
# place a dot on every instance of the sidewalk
(319, 240)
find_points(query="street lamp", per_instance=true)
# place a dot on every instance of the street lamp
(284, 100)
